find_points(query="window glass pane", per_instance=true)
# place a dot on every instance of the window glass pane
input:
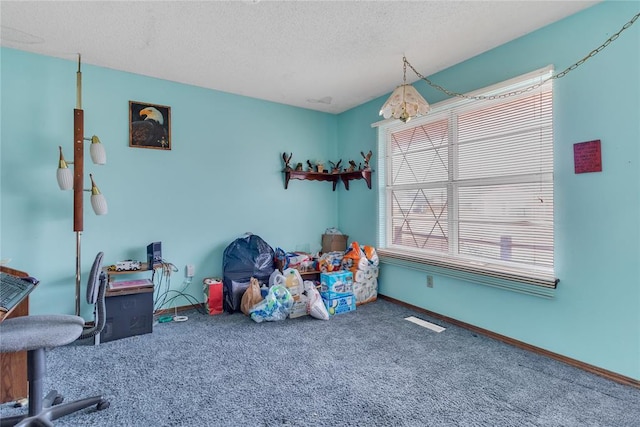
(510, 139)
(511, 223)
(525, 153)
(420, 219)
(518, 243)
(420, 167)
(419, 154)
(510, 116)
(429, 135)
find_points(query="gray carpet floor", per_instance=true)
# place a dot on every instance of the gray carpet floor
(370, 367)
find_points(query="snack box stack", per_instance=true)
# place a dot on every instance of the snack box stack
(336, 289)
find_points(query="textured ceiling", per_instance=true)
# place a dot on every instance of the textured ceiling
(323, 55)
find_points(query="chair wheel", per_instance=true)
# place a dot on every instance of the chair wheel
(103, 404)
(58, 399)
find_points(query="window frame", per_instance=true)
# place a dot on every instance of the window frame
(533, 280)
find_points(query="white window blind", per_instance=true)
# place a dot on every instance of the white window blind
(468, 189)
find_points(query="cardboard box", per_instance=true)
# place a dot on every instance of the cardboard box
(336, 284)
(299, 308)
(334, 242)
(340, 305)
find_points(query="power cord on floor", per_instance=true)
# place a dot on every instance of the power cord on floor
(177, 318)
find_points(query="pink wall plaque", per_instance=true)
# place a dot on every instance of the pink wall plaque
(587, 156)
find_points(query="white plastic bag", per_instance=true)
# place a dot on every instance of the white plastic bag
(275, 306)
(317, 308)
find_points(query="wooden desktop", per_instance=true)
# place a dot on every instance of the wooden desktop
(13, 366)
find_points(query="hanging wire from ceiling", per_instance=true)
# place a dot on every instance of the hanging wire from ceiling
(559, 75)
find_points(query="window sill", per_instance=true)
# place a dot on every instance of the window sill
(535, 284)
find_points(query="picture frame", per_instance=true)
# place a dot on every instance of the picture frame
(149, 125)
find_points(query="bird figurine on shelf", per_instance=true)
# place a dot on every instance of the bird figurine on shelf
(352, 166)
(335, 167)
(150, 131)
(299, 167)
(310, 165)
(287, 159)
(367, 158)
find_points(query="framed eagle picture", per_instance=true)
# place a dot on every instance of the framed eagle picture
(149, 126)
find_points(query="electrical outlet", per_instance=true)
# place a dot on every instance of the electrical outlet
(189, 270)
(429, 281)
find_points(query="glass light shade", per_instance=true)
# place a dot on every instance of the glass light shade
(99, 204)
(404, 103)
(98, 155)
(64, 174)
(98, 201)
(65, 178)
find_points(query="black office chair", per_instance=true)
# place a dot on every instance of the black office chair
(35, 334)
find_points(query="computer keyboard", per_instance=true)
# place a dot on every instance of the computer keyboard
(13, 290)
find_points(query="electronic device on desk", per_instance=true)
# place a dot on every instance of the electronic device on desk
(154, 254)
(13, 290)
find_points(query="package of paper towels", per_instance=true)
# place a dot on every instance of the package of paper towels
(363, 262)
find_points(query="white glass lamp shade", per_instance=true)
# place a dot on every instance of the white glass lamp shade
(99, 204)
(98, 155)
(404, 103)
(65, 178)
(98, 201)
(64, 174)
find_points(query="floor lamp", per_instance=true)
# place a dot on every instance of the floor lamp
(68, 180)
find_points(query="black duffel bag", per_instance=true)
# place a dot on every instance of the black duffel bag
(246, 257)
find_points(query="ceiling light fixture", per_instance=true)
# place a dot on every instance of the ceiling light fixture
(405, 102)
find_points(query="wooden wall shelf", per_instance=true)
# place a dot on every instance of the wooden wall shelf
(345, 177)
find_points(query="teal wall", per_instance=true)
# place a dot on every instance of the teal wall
(595, 315)
(223, 178)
